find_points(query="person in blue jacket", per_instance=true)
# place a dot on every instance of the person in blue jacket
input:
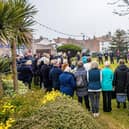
(94, 87)
(107, 88)
(67, 82)
(54, 75)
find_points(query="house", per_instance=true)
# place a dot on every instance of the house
(43, 45)
(94, 45)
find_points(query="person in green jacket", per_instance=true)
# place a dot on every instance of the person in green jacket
(107, 87)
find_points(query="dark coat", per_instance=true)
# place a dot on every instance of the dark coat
(54, 77)
(25, 73)
(120, 79)
(45, 69)
(82, 91)
(67, 83)
(128, 86)
(94, 79)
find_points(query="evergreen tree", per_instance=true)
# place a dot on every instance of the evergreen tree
(119, 42)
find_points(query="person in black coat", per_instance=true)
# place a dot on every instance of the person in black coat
(45, 69)
(111, 55)
(120, 83)
(26, 73)
(36, 70)
(106, 56)
(100, 58)
(128, 86)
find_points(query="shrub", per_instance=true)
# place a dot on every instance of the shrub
(5, 65)
(63, 113)
(20, 106)
(27, 104)
(9, 89)
(69, 47)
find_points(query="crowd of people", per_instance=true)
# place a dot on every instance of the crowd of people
(83, 77)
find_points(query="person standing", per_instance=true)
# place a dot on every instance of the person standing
(78, 56)
(111, 55)
(100, 58)
(82, 85)
(87, 66)
(69, 56)
(107, 79)
(106, 56)
(26, 73)
(67, 82)
(54, 75)
(94, 87)
(45, 69)
(120, 82)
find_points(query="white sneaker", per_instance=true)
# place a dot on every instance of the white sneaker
(94, 115)
(97, 114)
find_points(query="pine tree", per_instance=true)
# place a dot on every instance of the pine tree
(119, 42)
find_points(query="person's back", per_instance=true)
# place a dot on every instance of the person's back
(107, 88)
(84, 59)
(45, 70)
(120, 82)
(54, 76)
(81, 73)
(120, 77)
(67, 82)
(94, 87)
(27, 73)
(94, 79)
(107, 78)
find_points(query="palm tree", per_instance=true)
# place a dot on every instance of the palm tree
(16, 19)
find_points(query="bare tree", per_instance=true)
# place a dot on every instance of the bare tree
(121, 7)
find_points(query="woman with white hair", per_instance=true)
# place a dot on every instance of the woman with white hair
(107, 79)
(67, 82)
(94, 87)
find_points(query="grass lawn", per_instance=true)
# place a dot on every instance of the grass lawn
(117, 119)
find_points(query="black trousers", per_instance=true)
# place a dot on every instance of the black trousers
(107, 96)
(86, 99)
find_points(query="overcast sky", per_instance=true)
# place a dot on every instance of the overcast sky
(91, 17)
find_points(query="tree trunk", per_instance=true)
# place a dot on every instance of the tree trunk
(14, 67)
(1, 87)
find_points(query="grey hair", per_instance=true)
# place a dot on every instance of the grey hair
(94, 64)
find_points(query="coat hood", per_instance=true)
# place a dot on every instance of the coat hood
(122, 67)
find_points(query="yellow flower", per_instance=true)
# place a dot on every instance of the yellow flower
(50, 96)
(8, 124)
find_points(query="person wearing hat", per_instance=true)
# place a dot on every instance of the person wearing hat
(107, 88)
(67, 82)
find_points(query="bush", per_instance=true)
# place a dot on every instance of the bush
(5, 65)
(63, 113)
(9, 88)
(69, 47)
(25, 105)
